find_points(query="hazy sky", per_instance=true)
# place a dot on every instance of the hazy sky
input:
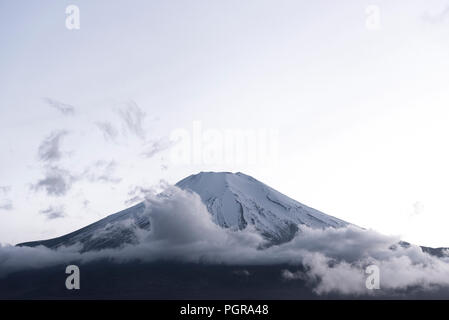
(348, 102)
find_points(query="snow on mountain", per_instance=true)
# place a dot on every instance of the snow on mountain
(234, 200)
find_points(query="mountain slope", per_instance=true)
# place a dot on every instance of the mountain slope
(111, 232)
(234, 201)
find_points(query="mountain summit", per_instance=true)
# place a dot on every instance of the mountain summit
(234, 200)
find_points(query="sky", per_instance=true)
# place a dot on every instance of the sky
(341, 106)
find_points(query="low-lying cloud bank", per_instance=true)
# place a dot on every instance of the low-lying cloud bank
(335, 260)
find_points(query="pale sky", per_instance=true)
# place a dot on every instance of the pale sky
(356, 91)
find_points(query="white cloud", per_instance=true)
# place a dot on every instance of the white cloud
(331, 260)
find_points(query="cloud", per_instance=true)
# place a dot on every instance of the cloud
(102, 171)
(132, 120)
(53, 212)
(6, 204)
(138, 193)
(5, 189)
(399, 271)
(335, 254)
(25, 258)
(109, 131)
(330, 260)
(173, 224)
(65, 109)
(49, 149)
(133, 116)
(154, 147)
(57, 181)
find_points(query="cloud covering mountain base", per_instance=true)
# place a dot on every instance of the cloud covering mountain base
(330, 261)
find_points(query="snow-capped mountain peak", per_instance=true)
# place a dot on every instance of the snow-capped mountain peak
(236, 200)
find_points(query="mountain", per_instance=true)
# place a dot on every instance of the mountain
(234, 200)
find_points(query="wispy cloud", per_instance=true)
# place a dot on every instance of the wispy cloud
(133, 118)
(53, 212)
(109, 131)
(102, 171)
(57, 181)
(5, 189)
(138, 193)
(64, 108)
(152, 148)
(49, 149)
(5, 204)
